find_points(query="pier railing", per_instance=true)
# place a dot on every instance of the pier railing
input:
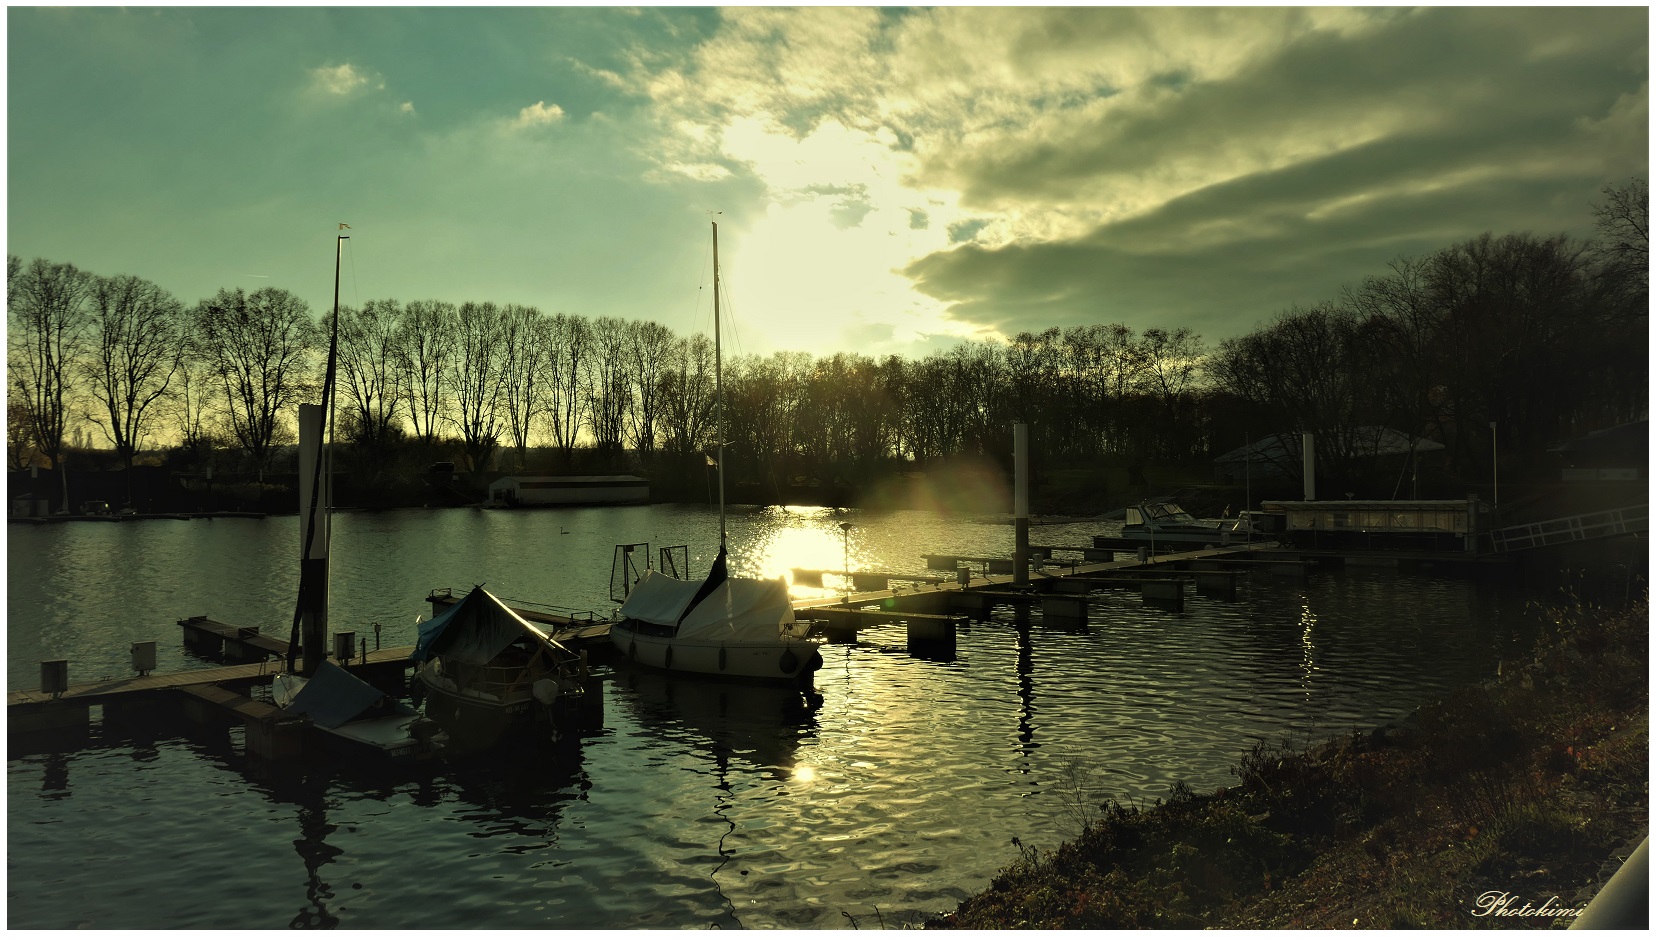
(1574, 528)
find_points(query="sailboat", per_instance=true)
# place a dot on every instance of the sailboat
(730, 627)
(349, 712)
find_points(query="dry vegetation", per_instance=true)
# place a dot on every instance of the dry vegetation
(1529, 785)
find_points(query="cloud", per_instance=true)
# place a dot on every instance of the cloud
(406, 107)
(1216, 164)
(539, 114)
(344, 79)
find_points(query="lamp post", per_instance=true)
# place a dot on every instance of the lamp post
(846, 556)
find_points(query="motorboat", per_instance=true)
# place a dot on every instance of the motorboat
(481, 668)
(731, 627)
(1168, 523)
(356, 717)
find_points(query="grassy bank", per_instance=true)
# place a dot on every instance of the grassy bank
(1522, 789)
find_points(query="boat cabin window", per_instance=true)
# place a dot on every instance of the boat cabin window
(1133, 517)
(1168, 512)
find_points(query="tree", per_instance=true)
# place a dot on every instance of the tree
(1173, 363)
(609, 385)
(49, 320)
(688, 394)
(478, 378)
(370, 370)
(258, 348)
(649, 349)
(138, 339)
(425, 347)
(567, 405)
(525, 349)
(1622, 222)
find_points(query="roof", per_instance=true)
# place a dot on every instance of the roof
(1373, 440)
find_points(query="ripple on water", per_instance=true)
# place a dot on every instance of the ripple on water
(894, 798)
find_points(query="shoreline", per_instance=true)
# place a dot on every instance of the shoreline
(1486, 807)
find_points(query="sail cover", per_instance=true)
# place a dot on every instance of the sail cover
(738, 608)
(474, 631)
(333, 696)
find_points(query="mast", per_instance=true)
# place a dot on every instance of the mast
(719, 389)
(316, 433)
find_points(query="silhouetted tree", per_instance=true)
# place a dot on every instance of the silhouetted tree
(524, 350)
(477, 376)
(258, 348)
(567, 406)
(137, 340)
(49, 321)
(426, 341)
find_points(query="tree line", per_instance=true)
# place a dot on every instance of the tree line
(1540, 334)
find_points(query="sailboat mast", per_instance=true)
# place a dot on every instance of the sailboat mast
(719, 388)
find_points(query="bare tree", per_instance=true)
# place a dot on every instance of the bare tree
(258, 348)
(524, 350)
(136, 344)
(370, 368)
(478, 379)
(649, 351)
(688, 394)
(571, 338)
(1174, 362)
(608, 384)
(1622, 222)
(49, 321)
(426, 346)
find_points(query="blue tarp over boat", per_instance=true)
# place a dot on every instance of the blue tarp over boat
(474, 630)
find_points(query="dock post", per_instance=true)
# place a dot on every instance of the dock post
(590, 710)
(1067, 610)
(1021, 505)
(931, 638)
(1168, 594)
(316, 491)
(54, 677)
(1222, 584)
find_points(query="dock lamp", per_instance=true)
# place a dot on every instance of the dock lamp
(846, 555)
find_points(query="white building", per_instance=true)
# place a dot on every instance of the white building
(513, 491)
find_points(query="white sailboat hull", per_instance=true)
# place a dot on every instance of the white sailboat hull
(783, 659)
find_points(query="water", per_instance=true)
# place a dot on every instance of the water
(892, 797)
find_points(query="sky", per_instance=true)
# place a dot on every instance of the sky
(888, 180)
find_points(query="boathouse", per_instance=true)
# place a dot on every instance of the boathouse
(1422, 525)
(529, 491)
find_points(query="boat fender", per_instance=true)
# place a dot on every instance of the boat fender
(788, 662)
(722, 658)
(668, 658)
(545, 690)
(816, 663)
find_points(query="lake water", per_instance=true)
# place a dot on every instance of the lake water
(890, 795)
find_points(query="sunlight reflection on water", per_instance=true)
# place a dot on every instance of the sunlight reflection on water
(897, 787)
